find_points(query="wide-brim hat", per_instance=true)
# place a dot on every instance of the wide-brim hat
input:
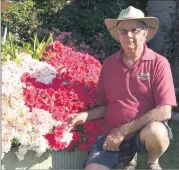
(132, 13)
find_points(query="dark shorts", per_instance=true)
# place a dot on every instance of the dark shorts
(111, 159)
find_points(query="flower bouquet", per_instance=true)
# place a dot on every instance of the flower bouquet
(38, 96)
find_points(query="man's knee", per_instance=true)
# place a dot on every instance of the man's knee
(155, 133)
(95, 166)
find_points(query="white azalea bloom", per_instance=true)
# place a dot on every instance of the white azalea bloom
(22, 151)
(18, 122)
(67, 137)
(7, 146)
(23, 139)
(43, 147)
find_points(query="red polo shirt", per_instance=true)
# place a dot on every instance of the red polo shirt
(131, 92)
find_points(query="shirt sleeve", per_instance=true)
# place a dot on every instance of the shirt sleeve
(164, 91)
(100, 91)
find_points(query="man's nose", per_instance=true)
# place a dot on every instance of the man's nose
(129, 34)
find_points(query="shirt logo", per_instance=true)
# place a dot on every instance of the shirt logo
(144, 76)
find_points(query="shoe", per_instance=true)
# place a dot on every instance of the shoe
(132, 164)
(129, 163)
(154, 166)
(130, 167)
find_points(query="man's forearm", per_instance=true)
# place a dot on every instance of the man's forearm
(157, 114)
(96, 113)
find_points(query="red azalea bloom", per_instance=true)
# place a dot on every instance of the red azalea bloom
(76, 136)
(70, 147)
(84, 146)
(50, 138)
(57, 46)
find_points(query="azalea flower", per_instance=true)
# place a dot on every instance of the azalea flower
(27, 126)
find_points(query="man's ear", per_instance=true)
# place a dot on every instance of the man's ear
(117, 32)
(146, 31)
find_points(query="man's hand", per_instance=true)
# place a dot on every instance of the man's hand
(113, 140)
(76, 119)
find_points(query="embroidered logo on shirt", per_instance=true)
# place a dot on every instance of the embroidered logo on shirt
(144, 76)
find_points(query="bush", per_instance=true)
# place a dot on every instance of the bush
(25, 16)
(47, 10)
(21, 18)
(172, 37)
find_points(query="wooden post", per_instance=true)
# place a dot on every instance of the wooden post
(5, 5)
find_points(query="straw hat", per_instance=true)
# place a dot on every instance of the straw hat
(132, 13)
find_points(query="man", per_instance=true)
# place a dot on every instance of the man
(136, 92)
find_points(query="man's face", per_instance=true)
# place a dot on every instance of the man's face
(131, 34)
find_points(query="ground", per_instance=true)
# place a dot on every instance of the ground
(170, 159)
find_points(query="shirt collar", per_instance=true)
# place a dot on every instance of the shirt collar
(148, 54)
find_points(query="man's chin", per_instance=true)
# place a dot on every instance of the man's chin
(131, 47)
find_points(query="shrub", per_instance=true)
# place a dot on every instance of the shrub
(21, 18)
(172, 37)
(47, 10)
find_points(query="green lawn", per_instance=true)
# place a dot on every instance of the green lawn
(170, 159)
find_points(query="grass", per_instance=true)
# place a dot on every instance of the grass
(170, 159)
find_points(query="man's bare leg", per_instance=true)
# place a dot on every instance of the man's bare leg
(95, 166)
(155, 138)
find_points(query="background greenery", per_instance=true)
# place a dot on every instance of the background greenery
(172, 37)
(85, 19)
